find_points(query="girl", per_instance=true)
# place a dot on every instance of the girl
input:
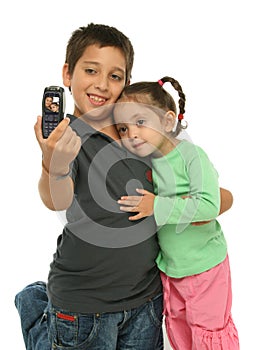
(193, 259)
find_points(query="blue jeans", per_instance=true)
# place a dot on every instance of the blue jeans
(31, 303)
(45, 327)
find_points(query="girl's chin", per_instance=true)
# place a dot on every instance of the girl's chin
(142, 153)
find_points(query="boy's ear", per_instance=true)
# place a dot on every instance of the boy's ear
(66, 78)
(170, 121)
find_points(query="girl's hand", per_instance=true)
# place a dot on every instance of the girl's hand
(143, 205)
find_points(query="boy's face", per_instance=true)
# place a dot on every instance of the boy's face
(97, 81)
(48, 101)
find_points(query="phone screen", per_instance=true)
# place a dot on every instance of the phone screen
(51, 103)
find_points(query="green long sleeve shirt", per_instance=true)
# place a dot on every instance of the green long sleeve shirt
(186, 249)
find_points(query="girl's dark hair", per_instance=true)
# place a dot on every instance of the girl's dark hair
(154, 94)
(101, 35)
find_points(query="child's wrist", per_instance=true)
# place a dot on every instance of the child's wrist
(56, 176)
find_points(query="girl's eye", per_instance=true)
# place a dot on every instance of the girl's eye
(122, 130)
(140, 122)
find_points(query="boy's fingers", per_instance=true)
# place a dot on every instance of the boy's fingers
(56, 134)
(60, 129)
(37, 129)
(199, 223)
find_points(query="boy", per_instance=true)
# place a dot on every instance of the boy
(104, 288)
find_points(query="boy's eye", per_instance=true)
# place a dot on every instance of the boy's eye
(90, 71)
(140, 122)
(116, 77)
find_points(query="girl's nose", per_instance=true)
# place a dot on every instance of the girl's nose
(133, 132)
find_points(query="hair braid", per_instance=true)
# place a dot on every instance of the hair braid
(178, 88)
(154, 94)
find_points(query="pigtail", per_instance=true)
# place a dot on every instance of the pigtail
(181, 102)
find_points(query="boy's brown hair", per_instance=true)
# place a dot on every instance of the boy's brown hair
(101, 35)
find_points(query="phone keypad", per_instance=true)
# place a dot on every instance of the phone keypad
(50, 122)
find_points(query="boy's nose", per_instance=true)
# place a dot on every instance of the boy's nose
(101, 82)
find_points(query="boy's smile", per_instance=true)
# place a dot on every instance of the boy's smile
(97, 100)
(98, 80)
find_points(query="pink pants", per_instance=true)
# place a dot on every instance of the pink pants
(197, 310)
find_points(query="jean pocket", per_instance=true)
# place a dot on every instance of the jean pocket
(156, 310)
(71, 330)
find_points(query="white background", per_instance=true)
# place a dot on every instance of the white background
(206, 45)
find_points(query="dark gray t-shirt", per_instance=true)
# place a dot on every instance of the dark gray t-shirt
(104, 262)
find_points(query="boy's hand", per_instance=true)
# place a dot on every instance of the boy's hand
(59, 149)
(143, 205)
(199, 223)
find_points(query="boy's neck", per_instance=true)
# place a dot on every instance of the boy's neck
(105, 126)
(111, 131)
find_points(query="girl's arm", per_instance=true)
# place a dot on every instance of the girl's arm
(203, 202)
(144, 204)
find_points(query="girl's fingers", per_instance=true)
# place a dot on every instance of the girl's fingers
(136, 217)
(142, 191)
(130, 200)
(128, 203)
(129, 209)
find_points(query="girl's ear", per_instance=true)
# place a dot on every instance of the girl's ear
(66, 78)
(170, 121)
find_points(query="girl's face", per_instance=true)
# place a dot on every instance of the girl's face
(97, 81)
(54, 107)
(142, 131)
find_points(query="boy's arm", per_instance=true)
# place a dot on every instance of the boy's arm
(55, 193)
(58, 150)
(226, 200)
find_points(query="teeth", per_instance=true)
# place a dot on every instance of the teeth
(97, 99)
